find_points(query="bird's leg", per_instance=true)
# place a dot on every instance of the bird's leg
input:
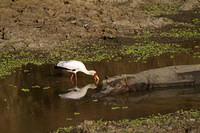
(76, 78)
(71, 78)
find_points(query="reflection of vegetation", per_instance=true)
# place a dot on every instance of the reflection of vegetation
(142, 51)
(173, 122)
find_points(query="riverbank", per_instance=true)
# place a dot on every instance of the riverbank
(180, 121)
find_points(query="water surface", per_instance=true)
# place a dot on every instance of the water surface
(42, 110)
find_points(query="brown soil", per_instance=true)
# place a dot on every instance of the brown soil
(46, 24)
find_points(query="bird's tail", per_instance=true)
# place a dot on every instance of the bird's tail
(58, 67)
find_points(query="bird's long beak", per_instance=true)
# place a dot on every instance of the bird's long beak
(96, 78)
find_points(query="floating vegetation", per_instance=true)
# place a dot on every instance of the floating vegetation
(13, 86)
(5, 100)
(64, 129)
(143, 51)
(77, 113)
(26, 71)
(25, 90)
(69, 119)
(95, 100)
(197, 46)
(36, 86)
(172, 122)
(115, 108)
(125, 107)
(46, 88)
(196, 55)
(171, 56)
(10, 61)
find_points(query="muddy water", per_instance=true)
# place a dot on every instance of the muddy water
(42, 110)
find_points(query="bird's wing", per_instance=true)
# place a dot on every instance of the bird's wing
(72, 65)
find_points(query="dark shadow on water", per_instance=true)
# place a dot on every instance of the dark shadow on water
(30, 102)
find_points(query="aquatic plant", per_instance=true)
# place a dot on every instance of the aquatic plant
(142, 51)
(25, 90)
(176, 122)
(46, 88)
(77, 113)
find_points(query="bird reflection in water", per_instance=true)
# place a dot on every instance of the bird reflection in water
(77, 93)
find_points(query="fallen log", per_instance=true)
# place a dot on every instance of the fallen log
(183, 75)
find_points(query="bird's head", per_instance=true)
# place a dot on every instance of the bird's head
(96, 77)
(94, 74)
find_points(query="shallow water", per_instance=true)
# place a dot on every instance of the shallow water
(42, 110)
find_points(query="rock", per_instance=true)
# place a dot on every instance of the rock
(182, 75)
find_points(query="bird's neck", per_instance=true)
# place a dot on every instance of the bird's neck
(88, 72)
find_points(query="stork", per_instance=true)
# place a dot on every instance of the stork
(75, 66)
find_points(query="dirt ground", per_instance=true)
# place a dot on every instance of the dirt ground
(46, 24)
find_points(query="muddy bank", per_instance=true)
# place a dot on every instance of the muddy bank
(48, 24)
(180, 121)
(183, 75)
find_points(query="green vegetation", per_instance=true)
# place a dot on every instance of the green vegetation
(196, 21)
(161, 9)
(69, 119)
(13, 86)
(77, 113)
(176, 122)
(186, 33)
(9, 61)
(46, 88)
(25, 90)
(95, 100)
(143, 51)
(146, 44)
(115, 108)
(36, 86)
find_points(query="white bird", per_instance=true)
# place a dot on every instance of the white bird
(75, 66)
(77, 93)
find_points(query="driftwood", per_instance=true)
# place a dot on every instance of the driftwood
(183, 75)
